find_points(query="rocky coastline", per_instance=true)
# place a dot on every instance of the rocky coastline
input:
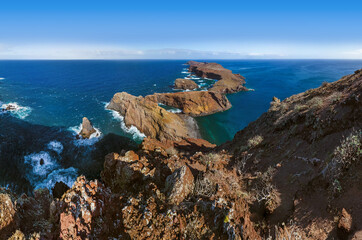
(294, 173)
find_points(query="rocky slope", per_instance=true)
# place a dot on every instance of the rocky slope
(295, 173)
(151, 119)
(228, 82)
(304, 155)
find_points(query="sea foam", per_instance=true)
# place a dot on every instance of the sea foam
(17, 110)
(55, 146)
(132, 130)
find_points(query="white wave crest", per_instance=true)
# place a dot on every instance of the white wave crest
(41, 163)
(132, 130)
(67, 176)
(1, 78)
(16, 110)
(55, 146)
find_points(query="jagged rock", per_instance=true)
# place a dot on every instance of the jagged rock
(87, 129)
(8, 219)
(151, 119)
(59, 189)
(227, 81)
(179, 185)
(345, 222)
(197, 103)
(18, 235)
(185, 84)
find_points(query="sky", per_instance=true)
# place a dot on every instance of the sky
(109, 29)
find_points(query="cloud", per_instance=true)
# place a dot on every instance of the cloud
(355, 52)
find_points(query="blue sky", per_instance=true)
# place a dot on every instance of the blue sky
(180, 29)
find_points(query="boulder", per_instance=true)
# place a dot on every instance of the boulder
(179, 185)
(185, 84)
(344, 224)
(87, 129)
(7, 215)
(151, 119)
(196, 103)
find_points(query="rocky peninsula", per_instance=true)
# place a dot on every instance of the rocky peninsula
(294, 173)
(154, 121)
(228, 82)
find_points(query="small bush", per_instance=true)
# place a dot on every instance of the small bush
(204, 187)
(335, 97)
(316, 102)
(349, 151)
(255, 141)
(300, 107)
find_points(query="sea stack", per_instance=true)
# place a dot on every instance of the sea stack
(87, 129)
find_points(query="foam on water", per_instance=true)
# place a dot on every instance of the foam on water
(132, 130)
(41, 163)
(1, 78)
(55, 146)
(17, 110)
(67, 176)
(85, 142)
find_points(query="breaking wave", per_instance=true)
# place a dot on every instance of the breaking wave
(16, 110)
(85, 142)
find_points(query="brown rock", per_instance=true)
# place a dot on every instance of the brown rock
(185, 84)
(151, 119)
(179, 185)
(198, 103)
(59, 189)
(228, 82)
(87, 129)
(345, 221)
(7, 215)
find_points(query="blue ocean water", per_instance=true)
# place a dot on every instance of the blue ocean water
(55, 95)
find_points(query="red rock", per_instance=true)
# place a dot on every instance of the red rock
(179, 185)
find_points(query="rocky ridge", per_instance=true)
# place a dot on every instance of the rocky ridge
(228, 82)
(295, 173)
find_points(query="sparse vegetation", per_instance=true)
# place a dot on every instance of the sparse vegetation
(241, 162)
(255, 141)
(300, 107)
(204, 187)
(335, 97)
(264, 191)
(315, 102)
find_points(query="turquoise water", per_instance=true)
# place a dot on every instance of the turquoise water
(53, 96)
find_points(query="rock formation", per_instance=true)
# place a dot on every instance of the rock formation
(151, 119)
(197, 103)
(294, 173)
(228, 82)
(87, 129)
(185, 84)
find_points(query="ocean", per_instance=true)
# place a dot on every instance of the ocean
(53, 97)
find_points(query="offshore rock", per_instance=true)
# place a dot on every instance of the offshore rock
(185, 84)
(228, 82)
(87, 129)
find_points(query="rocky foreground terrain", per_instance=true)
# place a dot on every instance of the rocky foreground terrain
(295, 173)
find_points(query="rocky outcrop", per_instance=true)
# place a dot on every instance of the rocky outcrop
(296, 155)
(8, 221)
(344, 224)
(228, 82)
(151, 119)
(197, 103)
(185, 84)
(87, 129)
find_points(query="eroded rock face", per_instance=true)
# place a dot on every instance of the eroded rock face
(185, 84)
(198, 103)
(7, 214)
(151, 119)
(228, 82)
(344, 224)
(87, 129)
(179, 185)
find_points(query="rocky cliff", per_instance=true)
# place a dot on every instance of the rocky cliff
(185, 84)
(295, 173)
(228, 82)
(197, 103)
(151, 119)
